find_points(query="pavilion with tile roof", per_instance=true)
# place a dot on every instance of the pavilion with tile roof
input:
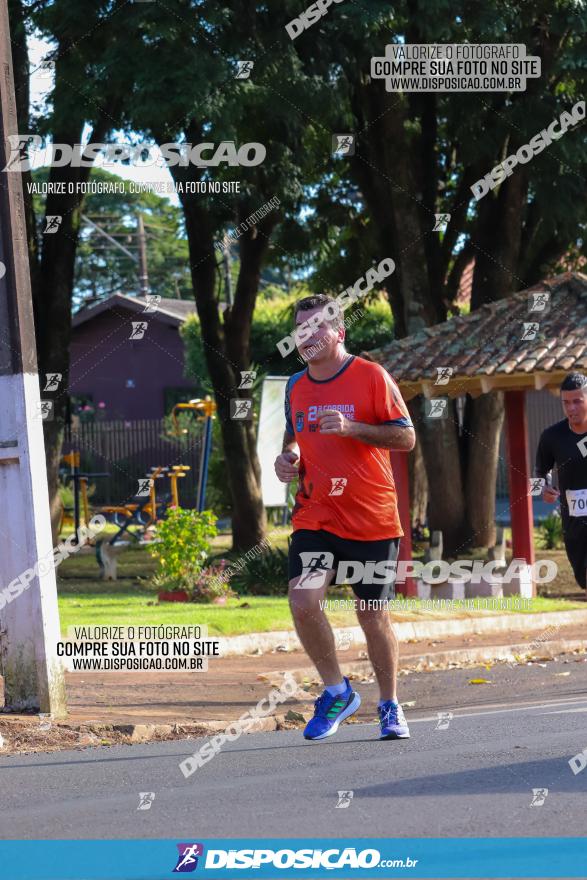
(530, 340)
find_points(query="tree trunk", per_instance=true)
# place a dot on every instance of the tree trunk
(52, 293)
(440, 450)
(388, 174)
(418, 486)
(396, 167)
(52, 264)
(499, 226)
(226, 347)
(484, 418)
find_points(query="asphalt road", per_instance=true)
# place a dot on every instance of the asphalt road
(474, 778)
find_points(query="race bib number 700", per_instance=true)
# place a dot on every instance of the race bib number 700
(577, 501)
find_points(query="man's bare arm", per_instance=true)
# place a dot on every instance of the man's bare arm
(384, 436)
(289, 443)
(287, 463)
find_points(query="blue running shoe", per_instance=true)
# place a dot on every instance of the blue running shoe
(329, 711)
(393, 722)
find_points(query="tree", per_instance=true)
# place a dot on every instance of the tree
(83, 99)
(418, 154)
(195, 61)
(101, 268)
(169, 73)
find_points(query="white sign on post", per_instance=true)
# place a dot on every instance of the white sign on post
(270, 439)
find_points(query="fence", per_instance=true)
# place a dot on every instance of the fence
(127, 450)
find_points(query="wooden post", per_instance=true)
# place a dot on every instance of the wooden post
(519, 474)
(401, 476)
(29, 618)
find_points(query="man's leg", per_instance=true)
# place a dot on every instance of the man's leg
(312, 564)
(313, 628)
(575, 537)
(382, 646)
(373, 613)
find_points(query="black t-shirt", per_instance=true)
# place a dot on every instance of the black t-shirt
(560, 445)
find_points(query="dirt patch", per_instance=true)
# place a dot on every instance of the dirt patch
(27, 735)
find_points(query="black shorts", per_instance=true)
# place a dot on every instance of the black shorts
(575, 534)
(323, 551)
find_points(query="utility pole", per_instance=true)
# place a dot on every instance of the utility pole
(139, 260)
(143, 273)
(29, 619)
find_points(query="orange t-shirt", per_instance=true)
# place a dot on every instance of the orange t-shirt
(345, 486)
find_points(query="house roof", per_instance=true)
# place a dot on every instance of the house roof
(487, 350)
(170, 311)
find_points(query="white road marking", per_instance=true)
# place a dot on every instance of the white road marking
(565, 711)
(519, 708)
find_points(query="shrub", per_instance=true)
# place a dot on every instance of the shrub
(209, 584)
(552, 531)
(66, 494)
(182, 548)
(265, 575)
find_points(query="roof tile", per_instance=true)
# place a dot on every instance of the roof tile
(489, 341)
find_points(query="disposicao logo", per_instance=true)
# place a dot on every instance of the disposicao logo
(187, 860)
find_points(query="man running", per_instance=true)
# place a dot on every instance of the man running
(343, 415)
(565, 444)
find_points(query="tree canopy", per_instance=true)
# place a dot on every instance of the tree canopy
(160, 73)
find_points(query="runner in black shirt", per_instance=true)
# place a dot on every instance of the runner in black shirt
(565, 444)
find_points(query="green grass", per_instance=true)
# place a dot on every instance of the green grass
(262, 615)
(238, 616)
(85, 600)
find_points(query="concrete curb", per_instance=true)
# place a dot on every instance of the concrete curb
(485, 654)
(473, 656)
(482, 654)
(149, 732)
(90, 732)
(236, 646)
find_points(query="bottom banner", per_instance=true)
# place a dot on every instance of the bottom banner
(532, 857)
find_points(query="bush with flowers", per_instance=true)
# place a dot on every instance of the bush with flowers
(182, 549)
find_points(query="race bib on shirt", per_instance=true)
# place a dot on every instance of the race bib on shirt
(577, 501)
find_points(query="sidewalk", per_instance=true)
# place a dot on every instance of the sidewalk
(407, 630)
(234, 684)
(130, 707)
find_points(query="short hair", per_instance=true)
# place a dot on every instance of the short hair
(319, 300)
(573, 381)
